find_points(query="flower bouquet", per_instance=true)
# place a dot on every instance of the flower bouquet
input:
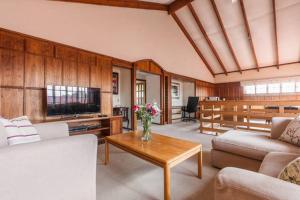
(147, 113)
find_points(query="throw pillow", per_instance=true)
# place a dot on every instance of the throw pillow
(20, 130)
(291, 173)
(292, 132)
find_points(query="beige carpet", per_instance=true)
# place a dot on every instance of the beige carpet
(128, 177)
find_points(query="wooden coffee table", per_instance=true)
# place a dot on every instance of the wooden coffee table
(163, 151)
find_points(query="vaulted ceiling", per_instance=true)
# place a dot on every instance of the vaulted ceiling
(239, 35)
(232, 35)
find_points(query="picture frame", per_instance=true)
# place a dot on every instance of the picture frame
(115, 83)
(175, 90)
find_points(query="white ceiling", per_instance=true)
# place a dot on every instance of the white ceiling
(261, 22)
(155, 35)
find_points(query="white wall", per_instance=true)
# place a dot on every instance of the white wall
(186, 89)
(178, 102)
(272, 72)
(124, 96)
(130, 34)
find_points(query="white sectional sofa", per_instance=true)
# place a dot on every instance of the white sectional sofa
(59, 167)
(245, 149)
(252, 162)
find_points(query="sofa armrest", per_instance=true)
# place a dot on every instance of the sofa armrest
(279, 124)
(274, 162)
(52, 130)
(235, 184)
(63, 168)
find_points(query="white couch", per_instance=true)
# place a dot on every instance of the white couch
(57, 168)
(252, 161)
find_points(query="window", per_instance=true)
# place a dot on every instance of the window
(250, 89)
(298, 87)
(140, 92)
(271, 86)
(288, 87)
(274, 88)
(261, 89)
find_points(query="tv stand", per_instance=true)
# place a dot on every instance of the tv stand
(99, 126)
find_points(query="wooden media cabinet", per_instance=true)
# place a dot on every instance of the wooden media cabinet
(99, 126)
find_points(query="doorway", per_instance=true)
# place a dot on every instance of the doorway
(141, 94)
(148, 90)
(121, 98)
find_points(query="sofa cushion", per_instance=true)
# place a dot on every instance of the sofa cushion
(292, 132)
(19, 130)
(291, 172)
(279, 124)
(255, 145)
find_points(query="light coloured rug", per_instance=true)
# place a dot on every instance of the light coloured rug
(128, 177)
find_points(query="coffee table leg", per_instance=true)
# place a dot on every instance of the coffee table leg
(200, 163)
(106, 152)
(167, 190)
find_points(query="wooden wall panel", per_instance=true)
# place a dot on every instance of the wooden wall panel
(34, 71)
(204, 89)
(66, 53)
(39, 47)
(96, 76)
(143, 65)
(87, 58)
(28, 64)
(11, 102)
(53, 71)
(106, 104)
(35, 104)
(69, 73)
(149, 66)
(11, 68)
(155, 69)
(106, 79)
(11, 41)
(83, 75)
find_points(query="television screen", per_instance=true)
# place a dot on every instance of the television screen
(68, 100)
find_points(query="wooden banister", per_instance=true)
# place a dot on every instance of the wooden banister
(220, 116)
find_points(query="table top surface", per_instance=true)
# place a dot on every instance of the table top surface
(160, 148)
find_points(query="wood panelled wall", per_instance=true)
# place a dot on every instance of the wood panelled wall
(28, 65)
(234, 91)
(149, 66)
(204, 89)
(229, 91)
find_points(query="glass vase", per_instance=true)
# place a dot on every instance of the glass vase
(146, 136)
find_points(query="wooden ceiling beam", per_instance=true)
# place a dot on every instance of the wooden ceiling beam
(179, 23)
(123, 3)
(249, 33)
(225, 35)
(275, 31)
(191, 8)
(263, 67)
(177, 4)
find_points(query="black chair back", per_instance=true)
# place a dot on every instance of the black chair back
(192, 105)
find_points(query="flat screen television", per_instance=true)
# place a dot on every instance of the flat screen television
(69, 100)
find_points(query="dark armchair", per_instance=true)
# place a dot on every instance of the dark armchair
(192, 107)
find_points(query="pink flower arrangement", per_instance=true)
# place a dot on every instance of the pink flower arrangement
(148, 111)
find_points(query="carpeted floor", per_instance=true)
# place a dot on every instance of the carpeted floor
(128, 177)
